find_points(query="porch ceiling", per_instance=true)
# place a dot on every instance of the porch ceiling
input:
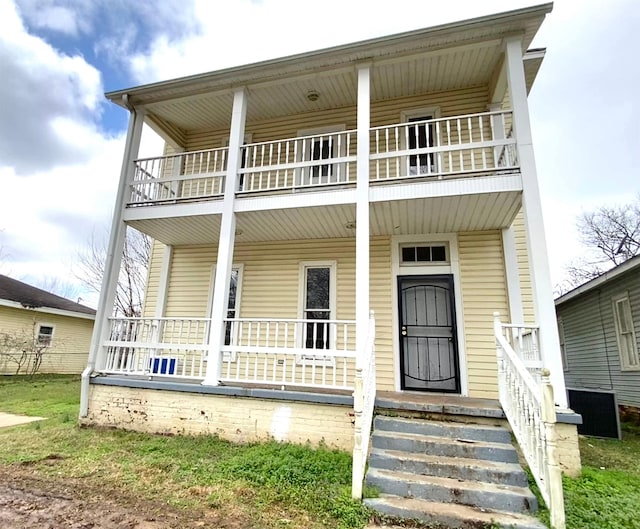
(483, 211)
(434, 59)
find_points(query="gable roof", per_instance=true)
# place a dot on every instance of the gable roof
(628, 265)
(17, 294)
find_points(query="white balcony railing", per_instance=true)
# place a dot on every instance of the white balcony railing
(309, 161)
(456, 146)
(524, 342)
(183, 176)
(459, 146)
(170, 347)
(298, 352)
(529, 407)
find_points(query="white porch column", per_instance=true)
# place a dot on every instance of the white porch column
(362, 208)
(227, 239)
(513, 275)
(116, 242)
(538, 261)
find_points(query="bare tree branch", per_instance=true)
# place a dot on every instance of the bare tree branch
(133, 270)
(611, 235)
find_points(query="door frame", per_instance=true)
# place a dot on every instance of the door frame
(452, 267)
(454, 326)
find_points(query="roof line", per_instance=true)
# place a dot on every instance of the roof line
(628, 265)
(47, 310)
(541, 10)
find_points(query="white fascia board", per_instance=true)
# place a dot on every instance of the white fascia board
(297, 200)
(446, 188)
(168, 211)
(594, 283)
(47, 310)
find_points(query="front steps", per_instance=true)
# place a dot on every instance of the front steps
(458, 475)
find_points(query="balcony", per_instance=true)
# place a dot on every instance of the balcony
(437, 149)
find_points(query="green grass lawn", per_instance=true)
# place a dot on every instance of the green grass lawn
(278, 485)
(275, 484)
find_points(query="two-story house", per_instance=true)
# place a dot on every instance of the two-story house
(331, 227)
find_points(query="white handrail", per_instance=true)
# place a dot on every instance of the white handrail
(530, 410)
(364, 396)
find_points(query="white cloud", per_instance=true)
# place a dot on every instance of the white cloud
(41, 86)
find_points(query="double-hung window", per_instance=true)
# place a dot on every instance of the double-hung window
(420, 133)
(625, 333)
(318, 306)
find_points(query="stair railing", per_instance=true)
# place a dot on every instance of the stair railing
(530, 409)
(364, 396)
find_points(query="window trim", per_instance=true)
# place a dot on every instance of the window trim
(405, 117)
(302, 174)
(624, 364)
(333, 280)
(38, 334)
(430, 244)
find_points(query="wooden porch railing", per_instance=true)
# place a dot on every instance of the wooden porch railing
(530, 410)
(452, 147)
(364, 397)
(296, 352)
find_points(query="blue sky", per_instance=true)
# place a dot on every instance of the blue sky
(61, 142)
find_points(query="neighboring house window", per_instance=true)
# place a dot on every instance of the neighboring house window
(433, 253)
(318, 300)
(45, 335)
(625, 333)
(563, 350)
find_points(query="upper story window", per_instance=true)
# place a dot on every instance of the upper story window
(625, 333)
(316, 145)
(45, 335)
(420, 134)
(432, 253)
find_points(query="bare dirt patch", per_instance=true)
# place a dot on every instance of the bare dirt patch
(31, 501)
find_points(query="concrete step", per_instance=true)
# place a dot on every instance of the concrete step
(450, 514)
(452, 430)
(449, 467)
(448, 490)
(442, 446)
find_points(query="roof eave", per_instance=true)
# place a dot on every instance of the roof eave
(47, 310)
(333, 56)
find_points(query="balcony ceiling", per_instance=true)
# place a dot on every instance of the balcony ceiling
(447, 57)
(483, 211)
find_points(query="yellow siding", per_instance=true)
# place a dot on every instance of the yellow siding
(523, 268)
(484, 291)
(270, 286)
(70, 345)
(153, 280)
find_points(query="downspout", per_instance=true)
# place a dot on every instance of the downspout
(96, 338)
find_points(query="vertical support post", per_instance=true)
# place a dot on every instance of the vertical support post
(113, 258)
(362, 271)
(362, 210)
(513, 275)
(553, 472)
(538, 260)
(227, 239)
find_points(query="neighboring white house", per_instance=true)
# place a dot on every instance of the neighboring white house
(331, 225)
(41, 330)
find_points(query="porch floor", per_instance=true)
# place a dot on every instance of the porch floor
(438, 403)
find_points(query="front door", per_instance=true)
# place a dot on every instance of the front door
(428, 347)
